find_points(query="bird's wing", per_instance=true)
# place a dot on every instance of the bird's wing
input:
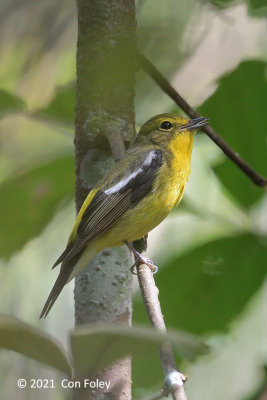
(115, 194)
(112, 200)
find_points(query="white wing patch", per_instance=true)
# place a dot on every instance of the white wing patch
(124, 182)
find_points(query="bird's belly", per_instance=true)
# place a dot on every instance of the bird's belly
(144, 217)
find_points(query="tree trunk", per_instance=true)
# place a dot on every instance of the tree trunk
(104, 120)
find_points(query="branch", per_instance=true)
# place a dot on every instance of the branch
(174, 380)
(154, 73)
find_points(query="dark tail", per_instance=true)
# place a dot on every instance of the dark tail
(65, 272)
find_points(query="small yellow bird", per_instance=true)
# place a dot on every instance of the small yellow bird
(133, 197)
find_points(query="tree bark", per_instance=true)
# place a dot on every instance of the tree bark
(104, 120)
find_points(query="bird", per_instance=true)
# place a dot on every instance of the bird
(133, 197)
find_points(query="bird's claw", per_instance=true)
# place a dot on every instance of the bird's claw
(145, 260)
(154, 269)
(133, 269)
(151, 265)
(139, 259)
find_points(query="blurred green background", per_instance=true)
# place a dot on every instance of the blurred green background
(212, 250)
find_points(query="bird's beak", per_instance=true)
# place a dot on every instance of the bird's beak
(195, 123)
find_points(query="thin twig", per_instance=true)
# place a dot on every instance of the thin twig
(155, 74)
(174, 380)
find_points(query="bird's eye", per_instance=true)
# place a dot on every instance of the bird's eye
(166, 125)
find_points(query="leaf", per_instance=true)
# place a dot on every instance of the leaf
(206, 289)
(61, 107)
(257, 7)
(9, 102)
(238, 112)
(221, 4)
(31, 342)
(28, 202)
(94, 347)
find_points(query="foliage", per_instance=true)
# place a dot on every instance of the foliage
(18, 336)
(211, 273)
(117, 340)
(39, 193)
(9, 102)
(242, 123)
(61, 107)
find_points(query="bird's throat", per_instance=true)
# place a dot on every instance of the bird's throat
(181, 149)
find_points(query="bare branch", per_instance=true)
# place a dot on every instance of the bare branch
(154, 73)
(174, 380)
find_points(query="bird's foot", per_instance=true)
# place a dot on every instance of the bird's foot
(148, 262)
(141, 260)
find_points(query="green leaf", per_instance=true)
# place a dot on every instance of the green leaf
(221, 4)
(61, 107)
(28, 202)
(9, 102)
(94, 347)
(206, 289)
(257, 7)
(238, 112)
(27, 340)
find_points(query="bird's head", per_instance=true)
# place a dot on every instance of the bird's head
(164, 127)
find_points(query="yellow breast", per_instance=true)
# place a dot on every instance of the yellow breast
(175, 171)
(167, 191)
